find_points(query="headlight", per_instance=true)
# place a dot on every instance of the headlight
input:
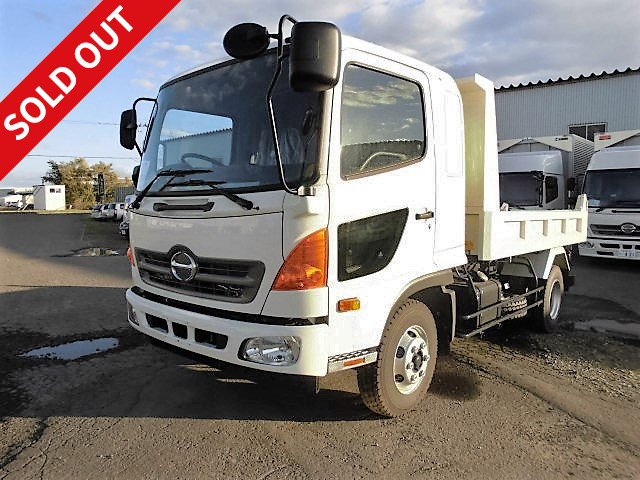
(587, 245)
(275, 351)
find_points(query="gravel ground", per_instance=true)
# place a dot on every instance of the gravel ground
(512, 404)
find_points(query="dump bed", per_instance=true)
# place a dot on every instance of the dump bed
(490, 233)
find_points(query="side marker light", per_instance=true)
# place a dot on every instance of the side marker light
(348, 304)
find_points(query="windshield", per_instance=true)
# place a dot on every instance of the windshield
(613, 188)
(216, 119)
(520, 189)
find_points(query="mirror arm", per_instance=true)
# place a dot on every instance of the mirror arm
(141, 99)
(272, 117)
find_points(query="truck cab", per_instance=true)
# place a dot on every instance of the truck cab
(373, 146)
(532, 180)
(542, 172)
(612, 185)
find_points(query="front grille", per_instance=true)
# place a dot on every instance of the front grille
(157, 323)
(234, 281)
(614, 231)
(204, 337)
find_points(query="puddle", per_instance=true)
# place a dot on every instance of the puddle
(73, 350)
(92, 252)
(626, 330)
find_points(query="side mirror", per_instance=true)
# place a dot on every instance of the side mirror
(135, 174)
(314, 56)
(128, 127)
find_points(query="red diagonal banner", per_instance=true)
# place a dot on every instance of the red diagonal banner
(71, 71)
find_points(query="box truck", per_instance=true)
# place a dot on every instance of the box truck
(542, 172)
(612, 185)
(331, 204)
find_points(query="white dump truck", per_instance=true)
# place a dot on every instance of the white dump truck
(612, 185)
(331, 204)
(542, 172)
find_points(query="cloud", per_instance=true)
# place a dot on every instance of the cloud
(190, 14)
(507, 41)
(510, 41)
(170, 48)
(432, 30)
(145, 83)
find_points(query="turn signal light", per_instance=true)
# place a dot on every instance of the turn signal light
(132, 260)
(306, 265)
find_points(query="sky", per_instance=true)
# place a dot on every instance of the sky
(508, 41)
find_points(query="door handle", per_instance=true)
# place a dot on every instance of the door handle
(424, 216)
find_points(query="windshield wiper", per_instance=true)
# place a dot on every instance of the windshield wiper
(618, 203)
(166, 173)
(633, 203)
(213, 185)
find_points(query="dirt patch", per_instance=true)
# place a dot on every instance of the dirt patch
(590, 376)
(597, 361)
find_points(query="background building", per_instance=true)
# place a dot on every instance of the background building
(49, 197)
(120, 193)
(605, 102)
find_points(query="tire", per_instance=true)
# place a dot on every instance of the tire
(547, 315)
(387, 386)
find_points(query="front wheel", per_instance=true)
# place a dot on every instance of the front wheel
(406, 361)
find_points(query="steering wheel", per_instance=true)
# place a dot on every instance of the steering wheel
(199, 156)
(400, 156)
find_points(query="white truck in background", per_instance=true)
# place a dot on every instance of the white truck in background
(542, 172)
(332, 204)
(12, 200)
(612, 185)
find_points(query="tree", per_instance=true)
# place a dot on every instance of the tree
(111, 179)
(53, 175)
(80, 179)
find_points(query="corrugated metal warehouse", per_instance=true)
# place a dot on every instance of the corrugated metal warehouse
(605, 102)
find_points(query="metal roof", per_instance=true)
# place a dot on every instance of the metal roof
(570, 79)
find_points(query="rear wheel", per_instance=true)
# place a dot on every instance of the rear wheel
(406, 361)
(547, 315)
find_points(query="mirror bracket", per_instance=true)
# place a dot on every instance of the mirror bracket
(129, 126)
(272, 117)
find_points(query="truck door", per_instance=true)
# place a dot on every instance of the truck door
(382, 200)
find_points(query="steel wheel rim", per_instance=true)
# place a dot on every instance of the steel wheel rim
(411, 360)
(555, 300)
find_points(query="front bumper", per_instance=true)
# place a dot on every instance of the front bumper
(182, 325)
(610, 248)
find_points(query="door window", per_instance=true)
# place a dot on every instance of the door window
(382, 122)
(551, 188)
(367, 245)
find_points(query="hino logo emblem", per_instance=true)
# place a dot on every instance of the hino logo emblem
(628, 228)
(183, 266)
